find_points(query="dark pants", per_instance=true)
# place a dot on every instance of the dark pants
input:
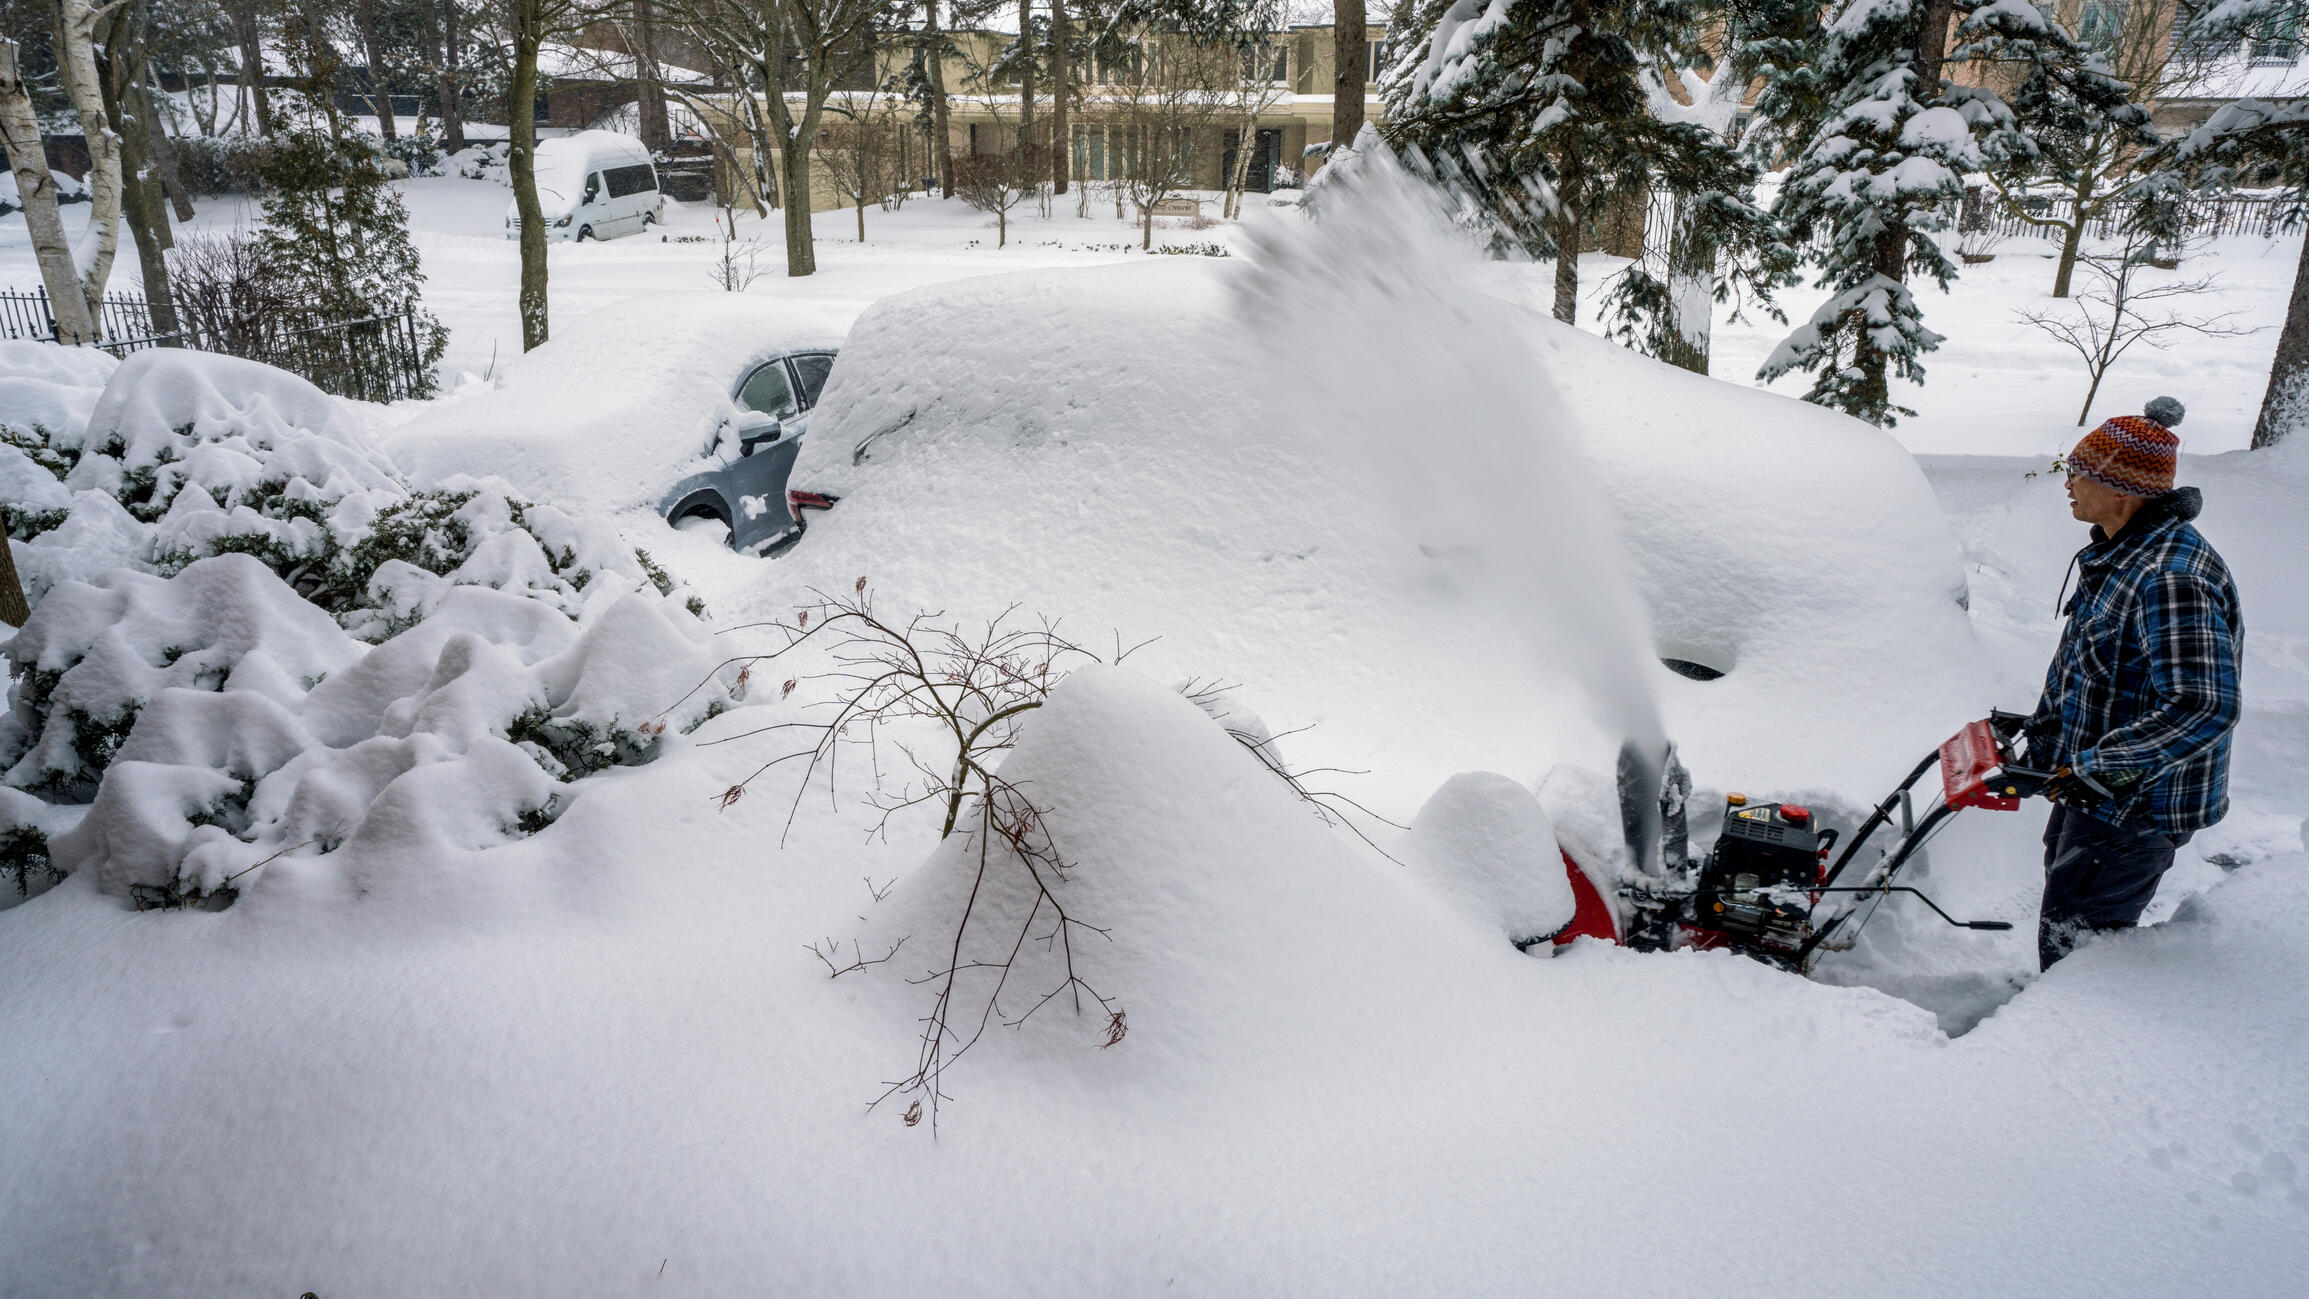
(2096, 876)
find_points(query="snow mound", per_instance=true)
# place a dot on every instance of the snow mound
(1208, 903)
(1483, 838)
(620, 405)
(44, 387)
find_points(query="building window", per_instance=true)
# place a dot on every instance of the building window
(1121, 67)
(1267, 63)
(1380, 52)
(2099, 23)
(2188, 44)
(2277, 38)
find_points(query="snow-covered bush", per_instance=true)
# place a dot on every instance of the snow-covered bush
(481, 162)
(416, 147)
(246, 629)
(219, 722)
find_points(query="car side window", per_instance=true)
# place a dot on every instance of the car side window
(769, 391)
(812, 368)
(592, 188)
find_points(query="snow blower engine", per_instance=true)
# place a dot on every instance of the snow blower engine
(1773, 886)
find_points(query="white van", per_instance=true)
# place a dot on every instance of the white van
(592, 185)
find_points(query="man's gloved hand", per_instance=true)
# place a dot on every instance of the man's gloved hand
(2087, 790)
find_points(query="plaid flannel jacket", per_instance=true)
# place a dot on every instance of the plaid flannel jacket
(2146, 676)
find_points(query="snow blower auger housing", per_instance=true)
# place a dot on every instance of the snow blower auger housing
(1769, 888)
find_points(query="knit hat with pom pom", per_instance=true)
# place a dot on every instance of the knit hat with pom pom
(2132, 453)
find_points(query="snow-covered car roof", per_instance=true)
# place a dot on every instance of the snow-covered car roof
(618, 405)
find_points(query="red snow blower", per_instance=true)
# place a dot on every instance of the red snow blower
(1768, 887)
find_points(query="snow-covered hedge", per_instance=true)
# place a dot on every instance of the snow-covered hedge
(481, 162)
(247, 630)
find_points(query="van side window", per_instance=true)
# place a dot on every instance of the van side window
(592, 188)
(637, 179)
(812, 368)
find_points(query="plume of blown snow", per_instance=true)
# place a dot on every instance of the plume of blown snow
(1425, 379)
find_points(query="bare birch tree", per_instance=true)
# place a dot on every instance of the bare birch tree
(76, 22)
(36, 189)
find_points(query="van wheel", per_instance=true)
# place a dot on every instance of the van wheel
(584, 233)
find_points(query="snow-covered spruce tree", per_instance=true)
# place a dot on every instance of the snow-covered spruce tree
(1883, 170)
(335, 233)
(1546, 111)
(1877, 177)
(2257, 142)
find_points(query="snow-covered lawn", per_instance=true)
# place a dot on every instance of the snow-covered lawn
(601, 1059)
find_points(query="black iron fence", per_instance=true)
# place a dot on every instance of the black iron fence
(370, 358)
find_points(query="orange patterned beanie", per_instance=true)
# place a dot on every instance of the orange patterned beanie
(2132, 453)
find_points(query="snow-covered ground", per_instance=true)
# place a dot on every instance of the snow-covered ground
(600, 1060)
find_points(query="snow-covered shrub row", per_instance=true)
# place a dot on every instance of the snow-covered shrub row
(212, 548)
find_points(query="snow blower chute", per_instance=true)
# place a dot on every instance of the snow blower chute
(1768, 887)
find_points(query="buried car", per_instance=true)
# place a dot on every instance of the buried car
(680, 405)
(748, 494)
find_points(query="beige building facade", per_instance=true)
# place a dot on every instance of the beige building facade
(1203, 104)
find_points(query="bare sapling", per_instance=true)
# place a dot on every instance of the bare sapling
(922, 710)
(2122, 307)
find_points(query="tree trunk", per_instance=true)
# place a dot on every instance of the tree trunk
(1873, 362)
(1691, 294)
(164, 150)
(528, 22)
(36, 189)
(1026, 85)
(121, 79)
(1566, 223)
(76, 68)
(2285, 407)
(1350, 49)
(248, 32)
(13, 609)
(2072, 237)
(449, 84)
(373, 49)
(1061, 87)
(942, 144)
(656, 131)
(1931, 48)
(794, 184)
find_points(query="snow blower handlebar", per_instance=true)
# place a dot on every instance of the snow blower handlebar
(1975, 771)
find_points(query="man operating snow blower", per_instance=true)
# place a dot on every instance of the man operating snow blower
(2141, 696)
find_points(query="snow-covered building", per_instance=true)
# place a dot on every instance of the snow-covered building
(2270, 64)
